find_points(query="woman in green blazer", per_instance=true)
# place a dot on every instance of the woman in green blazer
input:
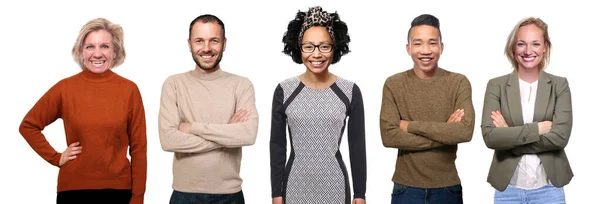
(527, 120)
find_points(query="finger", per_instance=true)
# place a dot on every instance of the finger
(495, 124)
(71, 157)
(74, 144)
(75, 148)
(75, 152)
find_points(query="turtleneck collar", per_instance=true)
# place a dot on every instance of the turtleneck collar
(97, 77)
(208, 76)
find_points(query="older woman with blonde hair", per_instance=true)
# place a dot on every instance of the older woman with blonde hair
(527, 119)
(103, 116)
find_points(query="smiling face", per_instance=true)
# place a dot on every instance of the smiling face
(425, 48)
(97, 51)
(317, 62)
(207, 45)
(530, 47)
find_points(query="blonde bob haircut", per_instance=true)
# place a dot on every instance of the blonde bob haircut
(509, 50)
(116, 31)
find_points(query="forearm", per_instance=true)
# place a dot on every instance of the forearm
(229, 135)
(448, 133)
(393, 137)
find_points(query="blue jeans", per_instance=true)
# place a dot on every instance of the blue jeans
(201, 198)
(413, 195)
(546, 195)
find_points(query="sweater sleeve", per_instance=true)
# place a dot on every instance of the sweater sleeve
(44, 112)
(235, 134)
(171, 139)
(454, 132)
(356, 143)
(278, 143)
(136, 128)
(391, 134)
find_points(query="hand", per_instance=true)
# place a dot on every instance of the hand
(403, 124)
(278, 200)
(498, 119)
(185, 127)
(456, 116)
(544, 127)
(70, 153)
(240, 116)
(359, 201)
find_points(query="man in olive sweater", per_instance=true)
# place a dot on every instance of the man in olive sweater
(206, 116)
(425, 112)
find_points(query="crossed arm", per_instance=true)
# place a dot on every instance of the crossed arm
(531, 138)
(423, 135)
(201, 137)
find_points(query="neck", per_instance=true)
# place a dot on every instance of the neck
(528, 75)
(425, 75)
(317, 80)
(208, 71)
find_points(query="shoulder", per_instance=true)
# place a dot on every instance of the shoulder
(400, 76)
(454, 76)
(554, 79)
(500, 79)
(125, 83)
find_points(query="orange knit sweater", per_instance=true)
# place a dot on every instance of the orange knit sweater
(104, 112)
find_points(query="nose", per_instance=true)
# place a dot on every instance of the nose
(317, 53)
(205, 47)
(426, 49)
(528, 49)
(97, 53)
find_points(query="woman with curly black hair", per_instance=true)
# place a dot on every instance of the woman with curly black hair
(314, 106)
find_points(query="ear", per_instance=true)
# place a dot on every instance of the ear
(408, 49)
(224, 44)
(190, 44)
(441, 48)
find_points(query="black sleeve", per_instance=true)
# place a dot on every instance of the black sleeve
(356, 143)
(278, 143)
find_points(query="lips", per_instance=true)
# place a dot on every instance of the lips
(98, 63)
(528, 58)
(426, 59)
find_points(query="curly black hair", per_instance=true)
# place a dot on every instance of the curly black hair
(291, 40)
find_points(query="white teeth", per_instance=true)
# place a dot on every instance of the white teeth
(206, 56)
(528, 58)
(316, 63)
(426, 59)
(97, 63)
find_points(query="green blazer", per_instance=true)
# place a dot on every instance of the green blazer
(552, 103)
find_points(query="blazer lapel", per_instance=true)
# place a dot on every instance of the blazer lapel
(542, 97)
(514, 100)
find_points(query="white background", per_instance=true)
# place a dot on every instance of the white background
(36, 38)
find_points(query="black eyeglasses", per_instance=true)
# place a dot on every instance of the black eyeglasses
(308, 47)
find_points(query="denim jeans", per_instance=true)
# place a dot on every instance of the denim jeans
(113, 196)
(413, 195)
(201, 198)
(546, 195)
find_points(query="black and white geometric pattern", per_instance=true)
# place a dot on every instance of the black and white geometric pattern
(316, 119)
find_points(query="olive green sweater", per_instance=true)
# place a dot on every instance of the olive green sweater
(427, 151)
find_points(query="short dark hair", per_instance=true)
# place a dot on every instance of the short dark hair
(207, 18)
(291, 38)
(425, 19)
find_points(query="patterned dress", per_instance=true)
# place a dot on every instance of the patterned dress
(316, 119)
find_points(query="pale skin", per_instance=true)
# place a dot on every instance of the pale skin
(239, 117)
(529, 50)
(455, 117)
